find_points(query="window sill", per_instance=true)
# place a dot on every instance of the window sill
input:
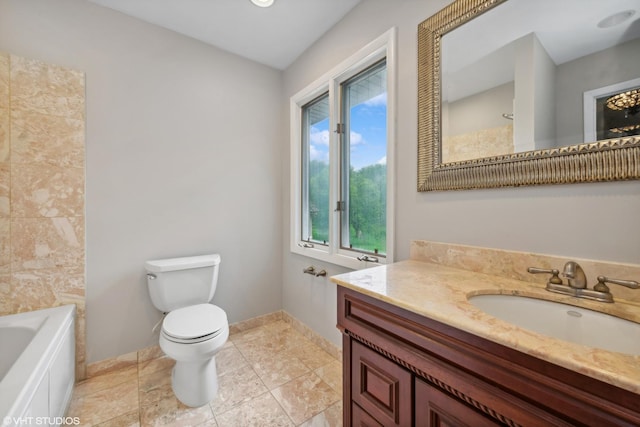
(348, 260)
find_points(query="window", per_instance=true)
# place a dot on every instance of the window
(363, 172)
(315, 170)
(602, 121)
(342, 140)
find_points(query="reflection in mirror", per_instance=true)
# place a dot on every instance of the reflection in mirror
(612, 111)
(520, 86)
(521, 92)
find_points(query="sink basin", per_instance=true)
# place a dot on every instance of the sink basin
(565, 322)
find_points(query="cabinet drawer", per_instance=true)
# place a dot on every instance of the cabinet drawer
(380, 387)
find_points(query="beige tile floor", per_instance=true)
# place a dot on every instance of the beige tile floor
(268, 376)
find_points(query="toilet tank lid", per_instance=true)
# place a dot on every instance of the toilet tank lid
(172, 264)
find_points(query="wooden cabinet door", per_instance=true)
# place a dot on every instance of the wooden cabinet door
(380, 387)
(361, 418)
(435, 408)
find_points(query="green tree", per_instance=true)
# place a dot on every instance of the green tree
(368, 208)
(367, 205)
(319, 200)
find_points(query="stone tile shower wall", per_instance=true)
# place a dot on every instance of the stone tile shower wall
(42, 243)
(475, 145)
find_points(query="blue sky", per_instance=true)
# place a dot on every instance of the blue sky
(368, 134)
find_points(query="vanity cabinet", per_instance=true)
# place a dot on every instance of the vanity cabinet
(403, 369)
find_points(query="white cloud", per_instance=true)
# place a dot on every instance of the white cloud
(319, 136)
(382, 161)
(315, 154)
(355, 138)
(377, 100)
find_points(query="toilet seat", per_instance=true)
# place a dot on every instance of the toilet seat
(194, 324)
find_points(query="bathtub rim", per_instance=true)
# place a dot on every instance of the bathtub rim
(19, 385)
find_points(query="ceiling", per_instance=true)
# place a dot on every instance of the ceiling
(274, 36)
(564, 34)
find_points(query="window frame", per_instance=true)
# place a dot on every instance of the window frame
(304, 177)
(383, 47)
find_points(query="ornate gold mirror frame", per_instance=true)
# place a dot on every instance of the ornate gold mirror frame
(607, 160)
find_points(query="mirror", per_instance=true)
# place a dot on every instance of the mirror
(515, 92)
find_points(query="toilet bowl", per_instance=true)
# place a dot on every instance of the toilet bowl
(192, 336)
(193, 330)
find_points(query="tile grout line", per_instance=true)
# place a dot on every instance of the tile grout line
(310, 371)
(268, 391)
(308, 366)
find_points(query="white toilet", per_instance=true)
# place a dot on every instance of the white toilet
(194, 330)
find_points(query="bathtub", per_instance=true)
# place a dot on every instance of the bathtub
(37, 366)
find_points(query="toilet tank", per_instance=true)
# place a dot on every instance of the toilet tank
(178, 282)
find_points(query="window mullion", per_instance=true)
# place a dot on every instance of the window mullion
(343, 238)
(334, 166)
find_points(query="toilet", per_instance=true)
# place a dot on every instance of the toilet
(193, 330)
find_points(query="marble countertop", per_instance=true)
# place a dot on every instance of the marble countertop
(440, 293)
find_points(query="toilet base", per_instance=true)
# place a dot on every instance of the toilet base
(195, 383)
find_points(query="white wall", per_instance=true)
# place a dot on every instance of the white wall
(534, 105)
(544, 97)
(597, 221)
(187, 152)
(479, 111)
(604, 68)
(183, 157)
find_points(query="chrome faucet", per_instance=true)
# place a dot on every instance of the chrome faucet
(577, 283)
(575, 275)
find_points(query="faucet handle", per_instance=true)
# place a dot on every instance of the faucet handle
(602, 287)
(555, 278)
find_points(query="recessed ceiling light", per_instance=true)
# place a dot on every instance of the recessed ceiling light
(616, 19)
(262, 3)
